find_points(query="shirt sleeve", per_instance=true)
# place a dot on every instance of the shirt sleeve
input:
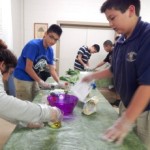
(143, 62)
(106, 58)
(15, 110)
(30, 51)
(81, 50)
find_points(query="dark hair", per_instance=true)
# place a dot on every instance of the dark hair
(55, 28)
(7, 56)
(2, 44)
(121, 5)
(97, 47)
(108, 42)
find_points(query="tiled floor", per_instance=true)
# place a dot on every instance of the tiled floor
(5, 130)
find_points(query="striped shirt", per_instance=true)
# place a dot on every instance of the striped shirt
(85, 57)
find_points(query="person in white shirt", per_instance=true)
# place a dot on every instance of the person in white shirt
(14, 110)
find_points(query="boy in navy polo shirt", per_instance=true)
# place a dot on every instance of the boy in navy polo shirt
(130, 69)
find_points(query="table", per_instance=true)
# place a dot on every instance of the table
(78, 131)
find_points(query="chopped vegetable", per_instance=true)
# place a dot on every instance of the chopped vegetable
(72, 79)
(72, 72)
(55, 125)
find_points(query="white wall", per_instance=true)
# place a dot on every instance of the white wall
(6, 22)
(50, 11)
(28, 12)
(145, 10)
(17, 25)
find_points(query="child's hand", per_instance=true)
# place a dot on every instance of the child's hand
(44, 85)
(58, 85)
(86, 67)
(56, 114)
(118, 131)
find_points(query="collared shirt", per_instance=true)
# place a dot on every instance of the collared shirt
(131, 62)
(84, 51)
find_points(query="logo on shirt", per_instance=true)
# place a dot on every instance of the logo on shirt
(41, 65)
(131, 56)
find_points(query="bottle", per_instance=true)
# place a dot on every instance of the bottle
(67, 87)
(93, 84)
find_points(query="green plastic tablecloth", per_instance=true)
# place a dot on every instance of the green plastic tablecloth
(78, 131)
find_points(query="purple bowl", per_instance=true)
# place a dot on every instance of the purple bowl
(64, 102)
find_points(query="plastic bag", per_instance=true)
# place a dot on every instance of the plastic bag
(90, 106)
(81, 90)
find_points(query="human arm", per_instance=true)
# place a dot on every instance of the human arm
(79, 58)
(141, 96)
(97, 75)
(56, 78)
(107, 59)
(29, 69)
(53, 73)
(24, 112)
(124, 124)
(99, 65)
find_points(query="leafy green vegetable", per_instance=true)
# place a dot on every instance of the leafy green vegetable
(73, 76)
(71, 79)
(72, 72)
(63, 78)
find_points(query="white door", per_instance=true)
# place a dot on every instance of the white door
(71, 40)
(74, 37)
(98, 36)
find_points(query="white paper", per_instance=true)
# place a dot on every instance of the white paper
(81, 90)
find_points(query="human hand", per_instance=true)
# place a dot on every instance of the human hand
(56, 114)
(44, 85)
(86, 67)
(62, 85)
(118, 131)
(58, 85)
(51, 114)
(93, 69)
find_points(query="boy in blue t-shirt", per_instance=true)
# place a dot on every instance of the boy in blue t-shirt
(37, 56)
(130, 69)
